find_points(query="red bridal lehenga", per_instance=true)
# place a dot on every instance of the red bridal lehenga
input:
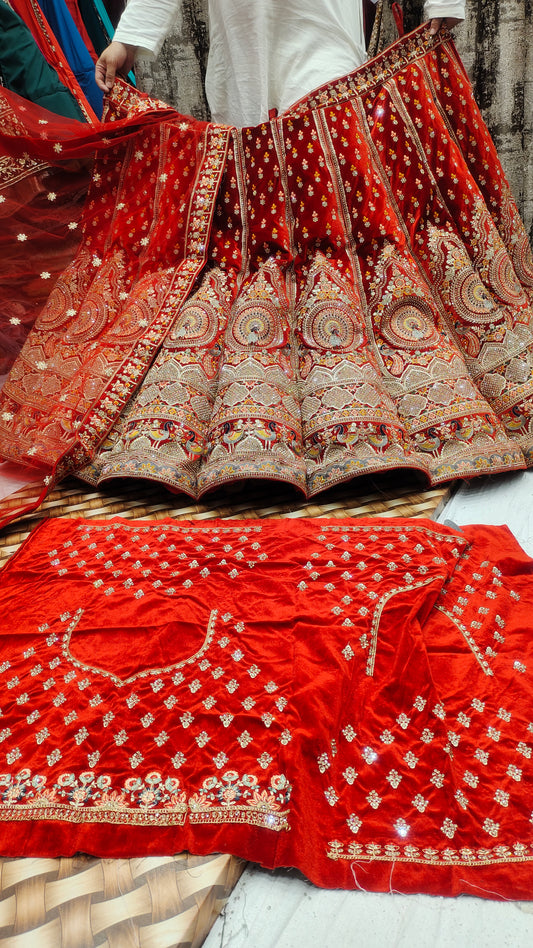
(344, 289)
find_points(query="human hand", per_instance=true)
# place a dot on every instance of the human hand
(118, 57)
(437, 24)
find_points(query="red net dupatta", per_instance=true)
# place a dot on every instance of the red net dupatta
(49, 228)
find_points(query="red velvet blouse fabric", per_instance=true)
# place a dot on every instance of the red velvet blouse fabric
(352, 698)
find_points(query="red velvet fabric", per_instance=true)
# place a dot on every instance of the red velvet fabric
(351, 698)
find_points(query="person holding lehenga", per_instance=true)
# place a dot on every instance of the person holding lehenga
(263, 56)
(328, 279)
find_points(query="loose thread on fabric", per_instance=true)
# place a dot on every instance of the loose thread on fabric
(360, 887)
(488, 891)
(391, 890)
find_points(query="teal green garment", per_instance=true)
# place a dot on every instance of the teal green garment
(97, 23)
(99, 26)
(24, 70)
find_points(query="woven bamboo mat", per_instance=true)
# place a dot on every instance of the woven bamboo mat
(170, 902)
(117, 903)
(392, 495)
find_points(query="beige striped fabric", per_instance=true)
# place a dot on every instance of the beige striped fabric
(116, 903)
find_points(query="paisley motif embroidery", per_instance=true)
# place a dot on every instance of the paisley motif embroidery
(522, 259)
(472, 300)
(329, 315)
(71, 286)
(203, 317)
(409, 324)
(503, 279)
(258, 317)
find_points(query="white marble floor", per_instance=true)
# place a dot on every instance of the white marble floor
(282, 910)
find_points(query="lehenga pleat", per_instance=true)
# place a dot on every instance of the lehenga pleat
(361, 300)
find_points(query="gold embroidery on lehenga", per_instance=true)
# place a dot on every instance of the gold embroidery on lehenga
(89, 797)
(329, 315)
(481, 856)
(233, 798)
(345, 342)
(384, 599)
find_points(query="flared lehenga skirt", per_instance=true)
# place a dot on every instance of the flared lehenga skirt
(342, 290)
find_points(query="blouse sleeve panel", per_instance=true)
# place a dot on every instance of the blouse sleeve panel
(146, 25)
(444, 8)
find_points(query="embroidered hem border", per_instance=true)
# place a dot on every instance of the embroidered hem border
(519, 853)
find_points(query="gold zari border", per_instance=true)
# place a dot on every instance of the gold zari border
(375, 852)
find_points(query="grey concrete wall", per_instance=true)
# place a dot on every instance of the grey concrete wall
(177, 75)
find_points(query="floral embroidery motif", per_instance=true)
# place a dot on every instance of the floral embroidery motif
(240, 799)
(93, 798)
(151, 800)
(428, 856)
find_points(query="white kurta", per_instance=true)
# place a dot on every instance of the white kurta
(265, 54)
